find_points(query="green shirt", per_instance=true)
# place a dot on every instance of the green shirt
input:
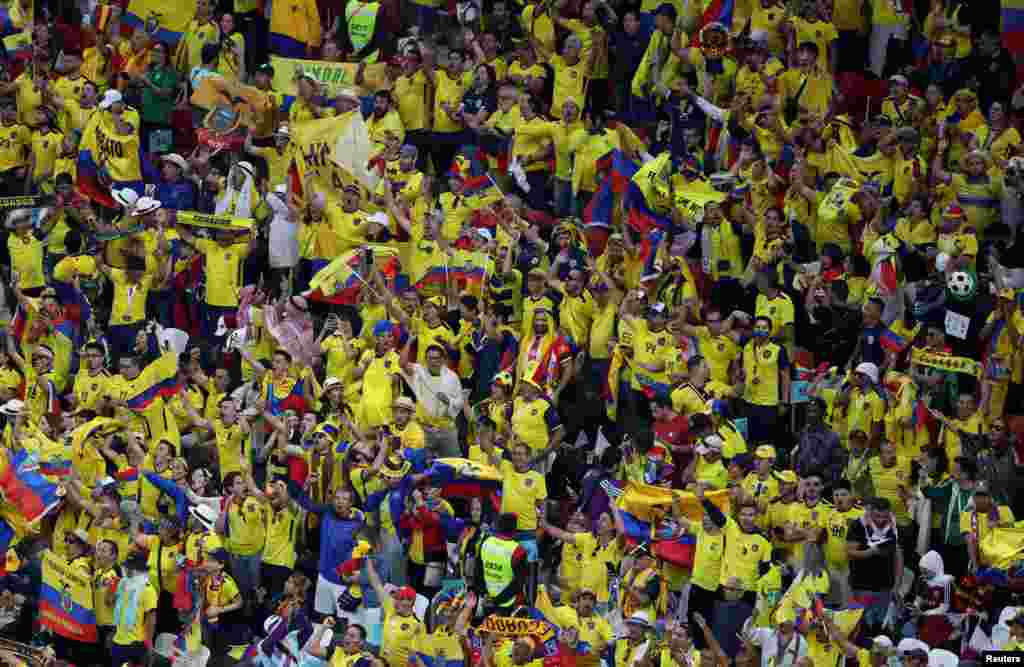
(157, 108)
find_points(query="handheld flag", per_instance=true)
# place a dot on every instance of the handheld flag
(66, 600)
(24, 487)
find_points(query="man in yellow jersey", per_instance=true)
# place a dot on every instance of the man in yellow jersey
(224, 258)
(379, 370)
(807, 518)
(449, 85)
(653, 350)
(535, 421)
(90, 388)
(15, 140)
(243, 523)
(977, 524)
(748, 554)
(766, 388)
(836, 528)
(968, 423)
(524, 491)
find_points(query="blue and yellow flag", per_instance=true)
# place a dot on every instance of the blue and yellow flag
(647, 503)
(464, 478)
(166, 21)
(66, 600)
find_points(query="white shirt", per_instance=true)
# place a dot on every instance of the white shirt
(768, 640)
(428, 387)
(283, 235)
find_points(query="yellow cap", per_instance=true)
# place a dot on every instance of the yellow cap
(787, 476)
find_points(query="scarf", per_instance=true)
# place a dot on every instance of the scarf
(126, 609)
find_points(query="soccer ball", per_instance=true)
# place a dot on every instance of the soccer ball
(961, 284)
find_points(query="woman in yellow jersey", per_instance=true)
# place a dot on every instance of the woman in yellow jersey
(917, 229)
(978, 191)
(231, 64)
(962, 117)
(997, 138)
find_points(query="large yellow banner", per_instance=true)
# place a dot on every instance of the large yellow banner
(332, 77)
(313, 145)
(331, 153)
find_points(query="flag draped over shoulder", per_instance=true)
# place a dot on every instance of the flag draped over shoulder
(66, 600)
(462, 478)
(165, 20)
(24, 487)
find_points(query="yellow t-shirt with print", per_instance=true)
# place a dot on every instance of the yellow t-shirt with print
(246, 527)
(521, 491)
(400, 635)
(220, 591)
(448, 91)
(26, 254)
(15, 142)
(887, 483)
(411, 96)
(130, 298)
(223, 271)
(762, 365)
(570, 84)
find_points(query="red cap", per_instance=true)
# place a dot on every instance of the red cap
(350, 566)
(405, 593)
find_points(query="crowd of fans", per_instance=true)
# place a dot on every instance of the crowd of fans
(683, 333)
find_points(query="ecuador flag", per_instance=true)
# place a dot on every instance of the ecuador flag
(66, 600)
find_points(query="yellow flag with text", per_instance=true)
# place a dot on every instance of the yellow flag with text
(332, 77)
(331, 153)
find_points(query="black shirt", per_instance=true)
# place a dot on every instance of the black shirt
(876, 573)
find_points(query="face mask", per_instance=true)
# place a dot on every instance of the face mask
(759, 333)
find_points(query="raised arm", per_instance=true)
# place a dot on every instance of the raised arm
(371, 573)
